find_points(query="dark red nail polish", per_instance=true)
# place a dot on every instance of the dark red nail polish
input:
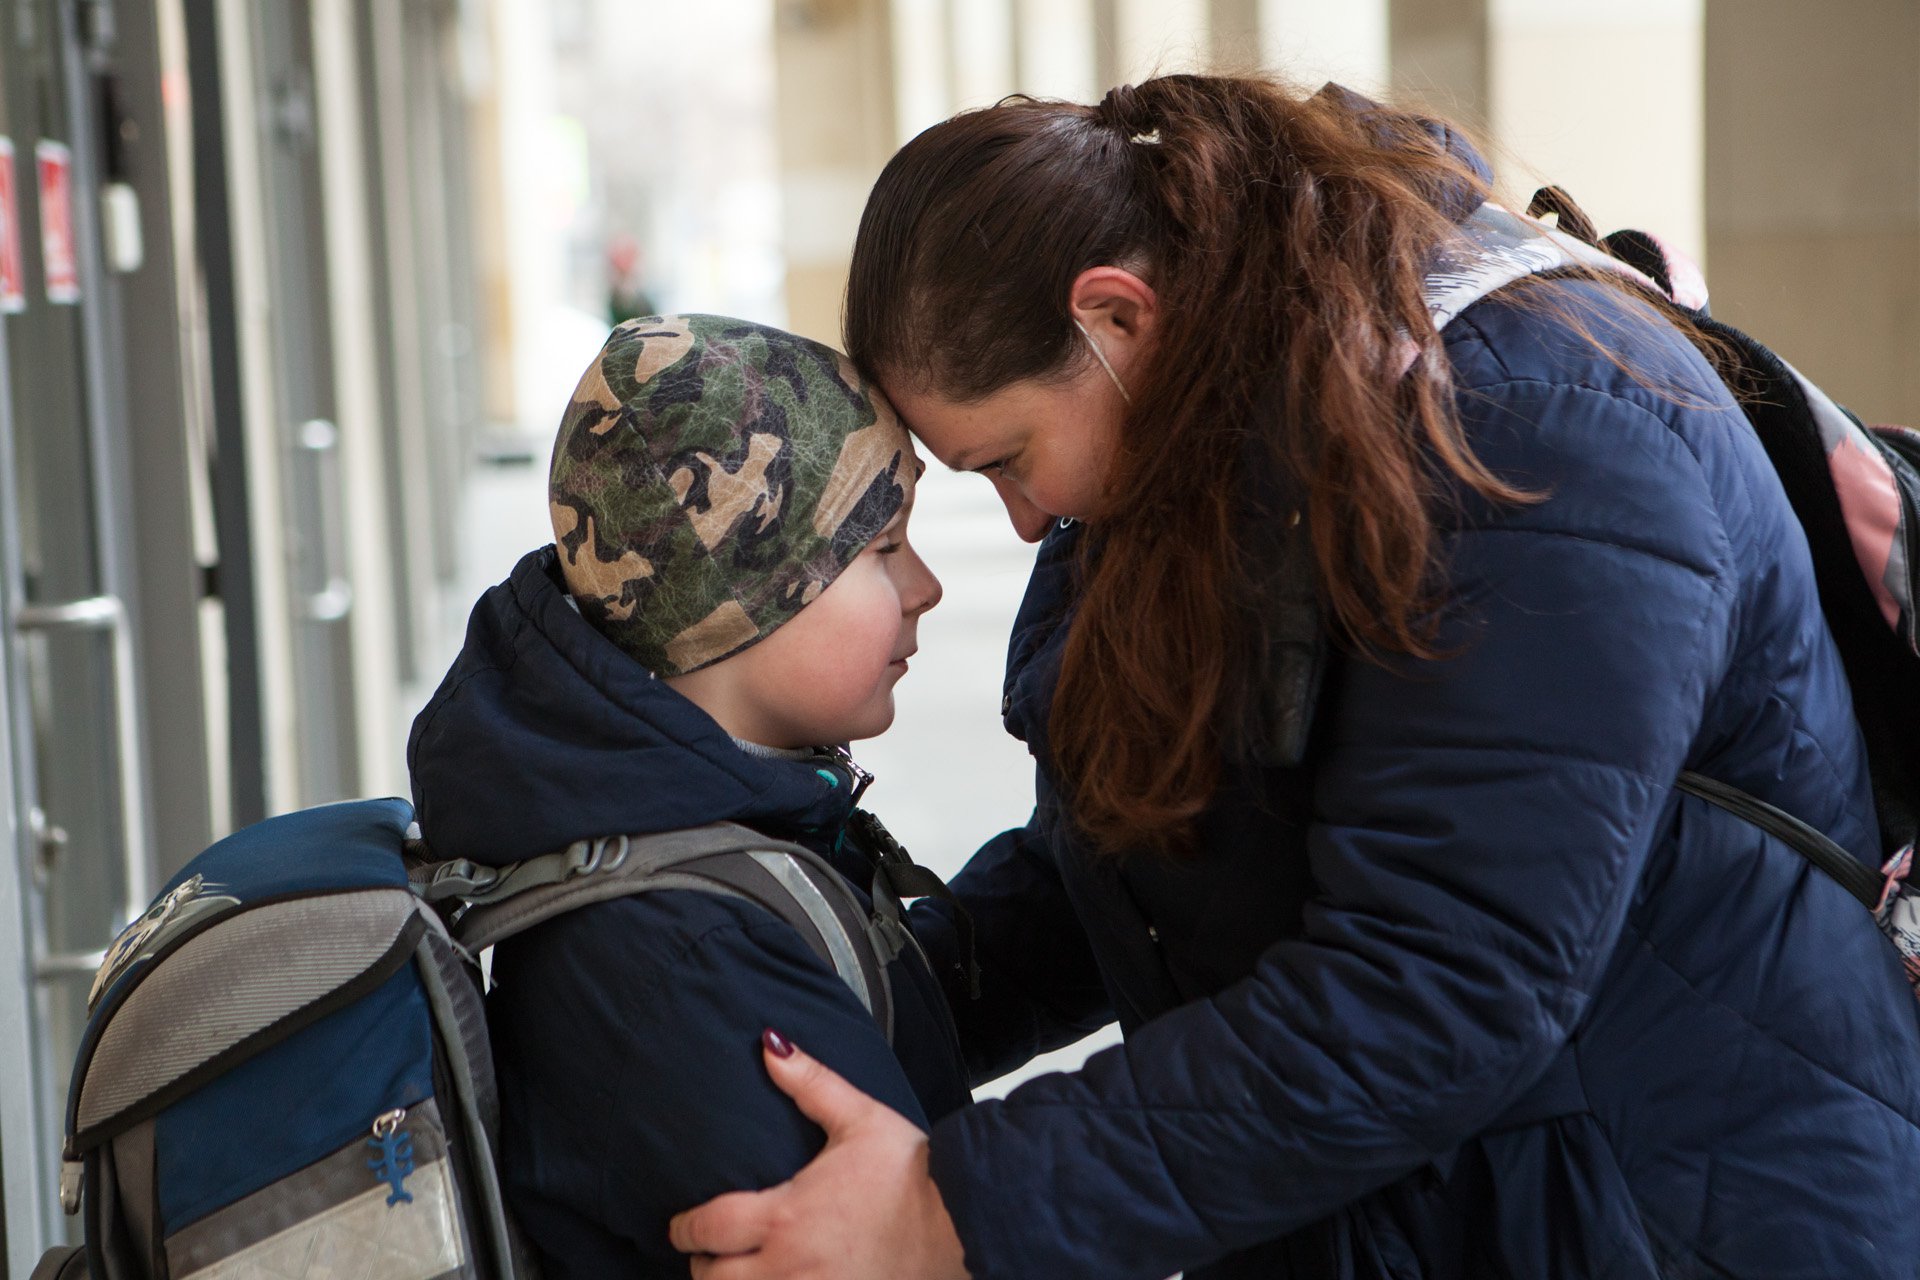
(778, 1045)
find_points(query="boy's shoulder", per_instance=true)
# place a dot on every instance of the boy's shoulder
(663, 930)
(626, 1038)
(645, 948)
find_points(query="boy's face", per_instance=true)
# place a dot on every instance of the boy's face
(827, 675)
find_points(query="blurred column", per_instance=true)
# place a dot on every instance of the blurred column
(1438, 52)
(1054, 49)
(1604, 100)
(1158, 37)
(1312, 42)
(527, 287)
(1234, 35)
(834, 102)
(980, 49)
(1813, 189)
(923, 71)
(487, 157)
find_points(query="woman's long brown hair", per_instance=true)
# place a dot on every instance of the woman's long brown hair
(1286, 238)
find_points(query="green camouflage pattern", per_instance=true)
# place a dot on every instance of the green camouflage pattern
(711, 477)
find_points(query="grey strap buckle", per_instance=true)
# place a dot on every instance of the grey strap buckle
(479, 885)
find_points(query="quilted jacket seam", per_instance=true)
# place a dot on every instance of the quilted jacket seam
(1623, 396)
(1717, 581)
(1840, 782)
(1167, 1171)
(1564, 1022)
(1469, 323)
(1825, 1071)
(1667, 1232)
(682, 954)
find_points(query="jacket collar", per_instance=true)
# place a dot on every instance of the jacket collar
(543, 732)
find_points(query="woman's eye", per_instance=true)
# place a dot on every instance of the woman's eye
(887, 549)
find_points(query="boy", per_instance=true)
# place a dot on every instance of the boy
(729, 597)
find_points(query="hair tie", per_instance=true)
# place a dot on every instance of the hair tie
(1121, 109)
(1118, 105)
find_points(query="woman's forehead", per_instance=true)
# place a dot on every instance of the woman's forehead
(951, 429)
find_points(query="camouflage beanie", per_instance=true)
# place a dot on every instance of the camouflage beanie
(711, 477)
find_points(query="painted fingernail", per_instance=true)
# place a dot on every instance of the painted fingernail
(777, 1045)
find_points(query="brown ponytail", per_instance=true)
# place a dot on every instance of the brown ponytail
(1286, 238)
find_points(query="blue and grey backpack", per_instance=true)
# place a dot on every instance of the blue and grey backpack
(286, 1069)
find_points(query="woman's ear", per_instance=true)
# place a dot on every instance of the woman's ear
(1116, 308)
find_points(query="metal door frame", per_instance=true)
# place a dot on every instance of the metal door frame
(251, 481)
(32, 1213)
(23, 1185)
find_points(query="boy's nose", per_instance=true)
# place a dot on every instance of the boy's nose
(926, 590)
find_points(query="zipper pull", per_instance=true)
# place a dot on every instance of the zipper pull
(394, 1164)
(861, 778)
(72, 1172)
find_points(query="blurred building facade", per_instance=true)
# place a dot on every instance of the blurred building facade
(286, 289)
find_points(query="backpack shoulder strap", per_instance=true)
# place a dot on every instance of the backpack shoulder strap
(1855, 876)
(790, 881)
(1499, 247)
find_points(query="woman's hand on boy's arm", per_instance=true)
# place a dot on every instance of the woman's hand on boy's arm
(864, 1209)
(641, 1021)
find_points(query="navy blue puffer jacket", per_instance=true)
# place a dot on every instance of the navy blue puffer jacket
(1476, 993)
(626, 1035)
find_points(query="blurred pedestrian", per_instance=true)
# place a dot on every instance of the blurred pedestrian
(627, 295)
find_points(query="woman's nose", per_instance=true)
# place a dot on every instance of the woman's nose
(1029, 521)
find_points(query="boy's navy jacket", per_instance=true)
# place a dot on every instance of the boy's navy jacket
(1475, 993)
(627, 1035)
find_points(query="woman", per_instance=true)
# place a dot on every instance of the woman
(1469, 991)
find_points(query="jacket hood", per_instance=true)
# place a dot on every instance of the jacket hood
(543, 733)
(1456, 198)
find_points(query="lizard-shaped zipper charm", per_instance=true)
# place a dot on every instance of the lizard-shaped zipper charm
(395, 1161)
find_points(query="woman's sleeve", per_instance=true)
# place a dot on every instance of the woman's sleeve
(1039, 986)
(1481, 822)
(651, 1095)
